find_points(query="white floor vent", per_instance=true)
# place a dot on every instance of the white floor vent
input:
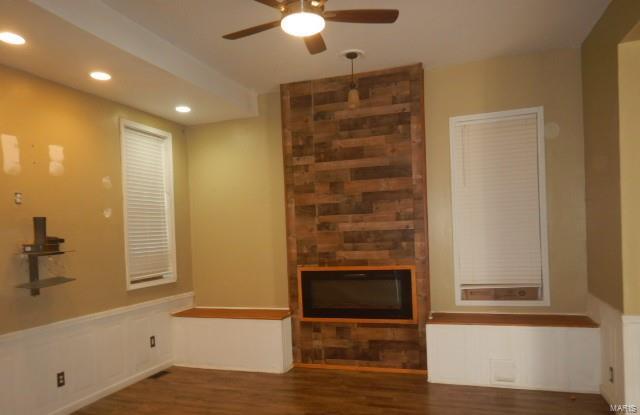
(503, 371)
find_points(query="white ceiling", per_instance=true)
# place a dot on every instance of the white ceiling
(148, 72)
(167, 52)
(434, 32)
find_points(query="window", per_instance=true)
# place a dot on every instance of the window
(149, 229)
(499, 208)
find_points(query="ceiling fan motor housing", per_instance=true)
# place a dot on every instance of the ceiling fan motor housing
(295, 6)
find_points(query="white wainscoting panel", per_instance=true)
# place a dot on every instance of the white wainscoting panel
(631, 336)
(99, 354)
(233, 344)
(545, 358)
(612, 355)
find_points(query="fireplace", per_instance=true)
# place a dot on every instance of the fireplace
(358, 294)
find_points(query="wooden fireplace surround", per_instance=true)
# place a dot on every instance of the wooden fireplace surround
(355, 193)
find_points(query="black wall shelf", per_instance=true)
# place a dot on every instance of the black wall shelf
(42, 245)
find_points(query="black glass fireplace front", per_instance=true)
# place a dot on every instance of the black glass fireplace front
(357, 294)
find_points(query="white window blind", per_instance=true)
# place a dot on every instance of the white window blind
(498, 201)
(148, 205)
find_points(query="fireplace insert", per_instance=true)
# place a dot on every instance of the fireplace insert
(357, 293)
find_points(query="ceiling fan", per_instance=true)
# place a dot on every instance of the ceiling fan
(307, 18)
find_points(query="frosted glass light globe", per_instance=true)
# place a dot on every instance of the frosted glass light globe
(302, 24)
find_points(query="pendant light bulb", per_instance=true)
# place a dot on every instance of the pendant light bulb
(353, 99)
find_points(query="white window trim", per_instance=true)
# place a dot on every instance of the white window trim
(127, 124)
(454, 123)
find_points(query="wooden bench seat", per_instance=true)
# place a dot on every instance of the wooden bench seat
(529, 320)
(235, 313)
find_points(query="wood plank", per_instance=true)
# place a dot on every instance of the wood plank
(303, 199)
(376, 226)
(529, 320)
(376, 140)
(187, 391)
(362, 217)
(374, 254)
(369, 111)
(378, 185)
(350, 164)
(233, 313)
(374, 369)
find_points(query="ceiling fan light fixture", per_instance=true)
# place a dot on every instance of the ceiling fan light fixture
(303, 24)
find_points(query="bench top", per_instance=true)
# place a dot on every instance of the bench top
(235, 313)
(531, 320)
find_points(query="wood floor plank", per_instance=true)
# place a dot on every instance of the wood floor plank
(327, 392)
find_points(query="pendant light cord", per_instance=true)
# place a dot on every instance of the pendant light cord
(353, 84)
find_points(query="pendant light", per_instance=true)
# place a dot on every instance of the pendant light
(353, 99)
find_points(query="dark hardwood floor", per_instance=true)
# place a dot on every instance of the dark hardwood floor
(322, 392)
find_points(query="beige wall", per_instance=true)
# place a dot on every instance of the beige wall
(550, 79)
(629, 81)
(238, 232)
(602, 153)
(40, 113)
(236, 238)
(237, 210)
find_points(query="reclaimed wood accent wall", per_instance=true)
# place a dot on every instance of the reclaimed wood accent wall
(355, 195)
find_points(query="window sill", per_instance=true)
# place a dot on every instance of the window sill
(503, 303)
(162, 281)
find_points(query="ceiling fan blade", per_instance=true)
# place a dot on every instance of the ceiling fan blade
(362, 16)
(252, 30)
(270, 3)
(315, 44)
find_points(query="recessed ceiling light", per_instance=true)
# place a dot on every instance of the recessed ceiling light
(12, 38)
(183, 109)
(100, 76)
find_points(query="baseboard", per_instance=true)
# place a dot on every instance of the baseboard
(606, 395)
(230, 368)
(353, 368)
(81, 403)
(516, 387)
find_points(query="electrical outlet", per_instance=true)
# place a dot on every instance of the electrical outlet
(60, 379)
(610, 374)
(152, 341)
